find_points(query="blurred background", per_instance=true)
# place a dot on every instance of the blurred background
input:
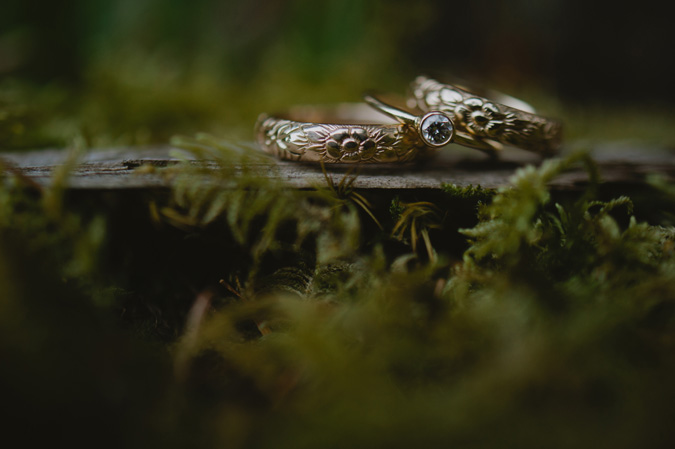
(94, 295)
(140, 71)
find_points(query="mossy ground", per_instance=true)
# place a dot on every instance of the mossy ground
(233, 311)
(246, 314)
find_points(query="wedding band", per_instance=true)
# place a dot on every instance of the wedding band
(487, 124)
(348, 133)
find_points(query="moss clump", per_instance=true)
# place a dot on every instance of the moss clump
(272, 317)
(470, 192)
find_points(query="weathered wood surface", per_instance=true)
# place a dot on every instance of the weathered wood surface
(119, 168)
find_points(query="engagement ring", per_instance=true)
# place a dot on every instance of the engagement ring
(490, 121)
(350, 133)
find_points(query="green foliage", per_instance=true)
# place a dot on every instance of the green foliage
(583, 238)
(511, 221)
(29, 118)
(414, 221)
(313, 330)
(546, 321)
(256, 210)
(237, 311)
(33, 221)
(469, 192)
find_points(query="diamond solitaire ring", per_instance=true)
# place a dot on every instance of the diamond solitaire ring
(435, 128)
(353, 133)
(488, 121)
(435, 115)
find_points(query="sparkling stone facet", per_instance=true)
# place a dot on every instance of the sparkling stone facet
(436, 129)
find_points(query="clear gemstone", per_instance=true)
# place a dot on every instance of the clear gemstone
(436, 129)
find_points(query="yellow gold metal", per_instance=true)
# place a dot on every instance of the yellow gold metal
(349, 133)
(435, 128)
(487, 124)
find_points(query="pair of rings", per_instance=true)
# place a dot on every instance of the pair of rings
(434, 115)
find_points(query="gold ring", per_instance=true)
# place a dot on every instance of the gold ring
(350, 133)
(487, 124)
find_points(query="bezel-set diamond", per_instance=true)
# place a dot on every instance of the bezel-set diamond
(436, 129)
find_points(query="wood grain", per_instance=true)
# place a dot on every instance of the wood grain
(120, 168)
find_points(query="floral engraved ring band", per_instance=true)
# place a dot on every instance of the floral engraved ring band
(350, 133)
(487, 124)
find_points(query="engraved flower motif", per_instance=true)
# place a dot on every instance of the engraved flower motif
(480, 117)
(348, 143)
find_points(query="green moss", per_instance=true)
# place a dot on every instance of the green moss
(316, 318)
(236, 311)
(470, 192)
(540, 322)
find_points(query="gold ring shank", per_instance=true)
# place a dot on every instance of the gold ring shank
(487, 124)
(348, 133)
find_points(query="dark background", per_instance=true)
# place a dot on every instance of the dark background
(227, 61)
